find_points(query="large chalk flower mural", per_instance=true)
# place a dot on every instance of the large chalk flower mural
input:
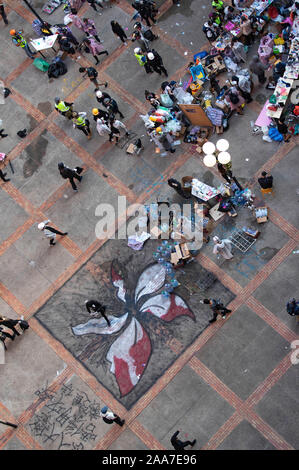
(129, 354)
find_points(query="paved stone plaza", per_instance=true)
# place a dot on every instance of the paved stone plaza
(231, 384)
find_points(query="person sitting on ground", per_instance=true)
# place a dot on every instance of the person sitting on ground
(266, 182)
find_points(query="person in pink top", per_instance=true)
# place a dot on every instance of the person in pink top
(89, 28)
(93, 47)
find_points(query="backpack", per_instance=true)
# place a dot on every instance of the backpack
(292, 307)
(234, 98)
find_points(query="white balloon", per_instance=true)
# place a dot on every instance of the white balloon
(222, 145)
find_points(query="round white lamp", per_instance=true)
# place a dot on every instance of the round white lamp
(222, 145)
(208, 148)
(209, 160)
(224, 158)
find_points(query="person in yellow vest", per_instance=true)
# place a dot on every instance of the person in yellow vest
(19, 40)
(142, 60)
(218, 5)
(64, 108)
(80, 122)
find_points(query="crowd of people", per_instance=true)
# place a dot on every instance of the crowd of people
(165, 119)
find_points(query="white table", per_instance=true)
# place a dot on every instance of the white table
(202, 190)
(46, 42)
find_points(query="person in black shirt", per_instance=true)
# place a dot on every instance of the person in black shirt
(92, 74)
(118, 31)
(68, 173)
(100, 114)
(266, 182)
(109, 103)
(217, 307)
(94, 307)
(179, 445)
(2, 13)
(283, 129)
(4, 335)
(9, 323)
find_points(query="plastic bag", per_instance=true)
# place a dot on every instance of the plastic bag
(166, 100)
(230, 65)
(182, 96)
(148, 124)
(173, 126)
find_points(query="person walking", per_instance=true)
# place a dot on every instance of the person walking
(217, 307)
(50, 232)
(80, 122)
(173, 183)
(90, 46)
(100, 114)
(2, 135)
(19, 40)
(258, 69)
(115, 126)
(2, 175)
(109, 417)
(2, 13)
(142, 59)
(94, 4)
(64, 108)
(222, 247)
(92, 74)
(148, 12)
(266, 183)
(9, 323)
(156, 63)
(178, 444)
(94, 307)
(118, 31)
(292, 308)
(89, 28)
(109, 103)
(68, 173)
(103, 127)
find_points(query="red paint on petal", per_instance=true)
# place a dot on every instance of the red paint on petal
(140, 352)
(115, 276)
(176, 310)
(122, 376)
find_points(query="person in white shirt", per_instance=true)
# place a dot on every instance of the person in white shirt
(109, 417)
(50, 232)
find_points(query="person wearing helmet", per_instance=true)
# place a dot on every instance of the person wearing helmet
(49, 232)
(109, 103)
(156, 62)
(142, 60)
(100, 114)
(19, 40)
(2, 13)
(64, 108)
(68, 173)
(118, 31)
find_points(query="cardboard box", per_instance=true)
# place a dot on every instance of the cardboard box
(199, 149)
(185, 251)
(219, 129)
(201, 141)
(220, 105)
(174, 259)
(261, 220)
(131, 149)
